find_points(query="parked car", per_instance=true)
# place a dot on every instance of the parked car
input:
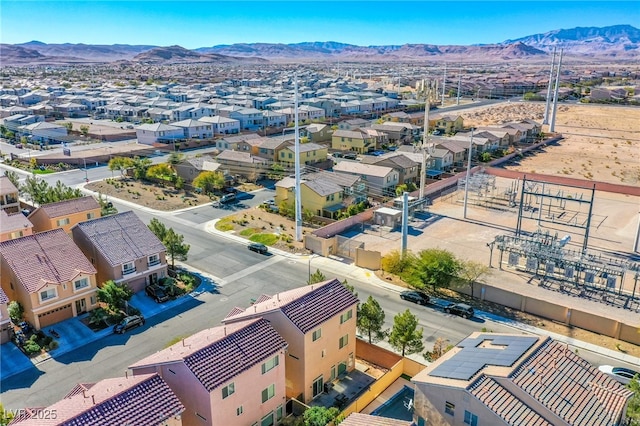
(227, 198)
(258, 248)
(157, 293)
(350, 156)
(337, 155)
(415, 297)
(460, 309)
(128, 323)
(621, 374)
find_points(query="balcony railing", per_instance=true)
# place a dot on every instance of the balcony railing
(153, 262)
(128, 271)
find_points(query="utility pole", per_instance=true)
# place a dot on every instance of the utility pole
(459, 82)
(425, 138)
(546, 108)
(468, 175)
(405, 222)
(444, 82)
(552, 126)
(298, 206)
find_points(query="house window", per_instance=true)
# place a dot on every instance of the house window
(267, 420)
(290, 155)
(346, 316)
(228, 390)
(344, 341)
(48, 294)
(15, 235)
(93, 300)
(470, 418)
(90, 215)
(449, 408)
(62, 222)
(268, 393)
(316, 334)
(239, 410)
(270, 364)
(154, 259)
(279, 413)
(128, 268)
(80, 284)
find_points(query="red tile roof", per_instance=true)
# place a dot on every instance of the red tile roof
(219, 354)
(13, 222)
(553, 386)
(45, 258)
(359, 419)
(307, 307)
(67, 207)
(144, 400)
(6, 187)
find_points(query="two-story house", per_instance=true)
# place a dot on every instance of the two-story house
(249, 118)
(231, 142)
(320, 196)
(317, 133)
(318, 322)
(49, 275)
(310, 153)
(9, 196)
(132, 400)
(381, 181)
(123, 249)
(195, 129)
(353, 140)
(491, 379)
(14, 226)
(228, 375)
(274, 118)
(222, 125)
(149, 134)
(407, 168)
(64, 214)
(447, 124)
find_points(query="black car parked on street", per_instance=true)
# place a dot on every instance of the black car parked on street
(415, 297)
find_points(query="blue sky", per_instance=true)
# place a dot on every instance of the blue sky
(193, 24)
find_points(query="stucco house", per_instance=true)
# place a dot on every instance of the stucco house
(5, 321)
(150, 134)
(195, 129)
(317, 132)
(353, 140)
(9, 196)
(14, 226)
(381, 181)
(228, 375)
(132, 400)
(508, 379)
(222, 125)
(407, 168)
(310, 153)
(49, 275)
(44, 132)
(237, 163)
(64, 214)
(123, 249)
(318, 322)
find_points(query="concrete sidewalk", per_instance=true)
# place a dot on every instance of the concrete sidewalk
(342, 268)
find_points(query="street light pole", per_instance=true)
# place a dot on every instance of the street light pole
(86, 177)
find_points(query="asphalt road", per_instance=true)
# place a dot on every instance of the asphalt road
(242, 276)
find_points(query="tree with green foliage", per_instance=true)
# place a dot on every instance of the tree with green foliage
(140, 166)
(405, 335)
(106, 207)
(41, 193)
(471, 272)
(396, 263)
(316, 277)
(304, 139)
(209, 181)
(16, 311)
(158, 228)
(68, 125)
(432, 267)
(176, 247)
(320, 416)
(161, 172)
(121, 164)
(13, 178)
(633, 409)
(276, 172)
(114, 295)
(84, 129)
(175, 158)
(5, 416)
(371, 320)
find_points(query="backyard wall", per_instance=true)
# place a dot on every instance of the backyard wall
(368, 259)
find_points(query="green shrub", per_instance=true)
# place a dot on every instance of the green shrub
(31, 347)
(53, 345)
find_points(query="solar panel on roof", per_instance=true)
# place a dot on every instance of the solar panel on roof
(503, 351)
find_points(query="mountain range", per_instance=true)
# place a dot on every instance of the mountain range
(619, 42)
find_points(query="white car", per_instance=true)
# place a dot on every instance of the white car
(621, 374)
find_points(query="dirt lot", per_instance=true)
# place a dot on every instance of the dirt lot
(601, 142)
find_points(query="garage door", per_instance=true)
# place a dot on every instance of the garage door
(55, 315)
